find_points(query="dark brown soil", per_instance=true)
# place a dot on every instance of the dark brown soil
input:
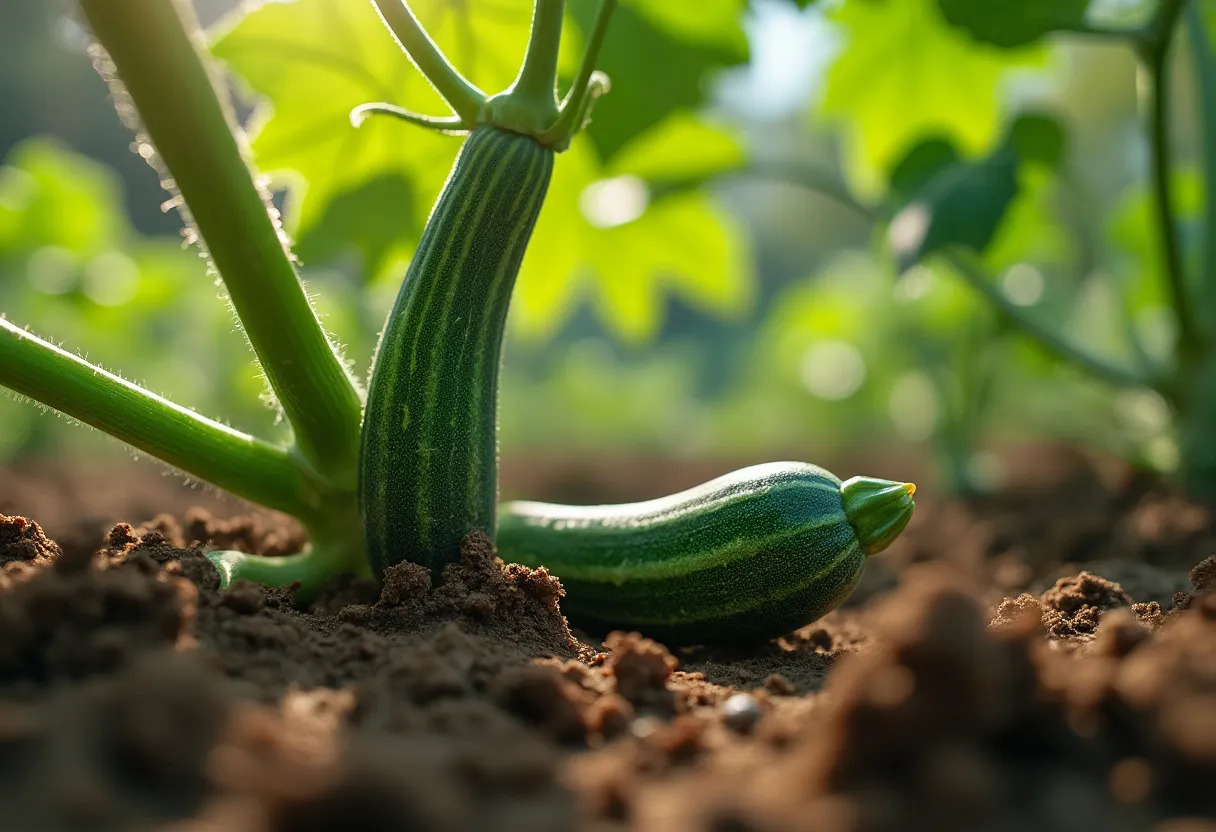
(1044, 659)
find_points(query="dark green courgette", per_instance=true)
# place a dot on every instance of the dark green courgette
(750, 555)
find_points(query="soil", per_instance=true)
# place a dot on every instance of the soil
(1041, 659)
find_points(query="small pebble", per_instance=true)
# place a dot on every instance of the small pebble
(644, 727)
(741, 712)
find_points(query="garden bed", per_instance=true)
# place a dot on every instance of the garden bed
(1041, 659)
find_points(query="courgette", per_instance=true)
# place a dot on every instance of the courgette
(428, 470)
(750, 555)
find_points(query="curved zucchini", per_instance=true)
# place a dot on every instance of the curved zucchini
(750, 555)
(428, 472)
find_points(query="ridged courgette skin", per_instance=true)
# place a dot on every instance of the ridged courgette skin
(750, 555)
(429, 457)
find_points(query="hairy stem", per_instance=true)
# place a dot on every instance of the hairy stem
(155, 47)
(465, 99)
(336, 548)
(237, 462)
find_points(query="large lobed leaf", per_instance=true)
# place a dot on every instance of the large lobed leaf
(905, 75)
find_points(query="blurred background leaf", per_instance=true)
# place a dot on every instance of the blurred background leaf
(943, 83)
(711, 277)
(946, 201)
(1011, 23)
(72, 267)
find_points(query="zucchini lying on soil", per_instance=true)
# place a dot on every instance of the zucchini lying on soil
(750, 555)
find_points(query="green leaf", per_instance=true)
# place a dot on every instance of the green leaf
(600, 237)
(921, 164)
(1013, 23)
(50, 196)
(1038, 137)
(945, 201)
(371, 217)
(962, 205)
(713, 23)
(659, 55)
(904, 75)
(679, 149)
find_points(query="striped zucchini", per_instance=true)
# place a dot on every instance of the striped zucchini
(750, 555)
(429, 458)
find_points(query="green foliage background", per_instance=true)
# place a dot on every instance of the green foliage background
(736, 261)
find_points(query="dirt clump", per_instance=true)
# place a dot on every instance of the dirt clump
(23, 549)
(1203, 576)
(116, 752)
(76, 617)
(640, 668)
(1073, 606)
(946, 723)
(22, 541)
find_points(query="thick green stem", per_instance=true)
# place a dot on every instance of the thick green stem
(237, 462)
(461, 95)
(537, 81)
(1205, 79)
(154, 46)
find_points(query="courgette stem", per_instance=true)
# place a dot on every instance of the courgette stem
(461, 94)
(535, 89)
(211, 451)
(156, 47)
(335, 549)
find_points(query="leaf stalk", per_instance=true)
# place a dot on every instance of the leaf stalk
(211, 451)
(465, 99)
(155, 47)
